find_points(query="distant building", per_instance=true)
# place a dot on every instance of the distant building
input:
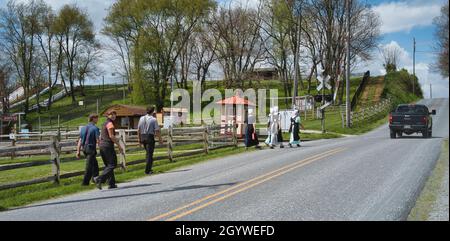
(127, 115)
(264, 73)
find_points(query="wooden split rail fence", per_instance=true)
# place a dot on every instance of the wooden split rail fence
(212, 138)
(371, 113)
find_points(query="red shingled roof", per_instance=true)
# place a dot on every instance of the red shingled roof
(235, 100)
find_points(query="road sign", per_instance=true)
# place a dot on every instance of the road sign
(324, 82)
(326, 105)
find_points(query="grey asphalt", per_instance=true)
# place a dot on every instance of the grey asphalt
(372, 178)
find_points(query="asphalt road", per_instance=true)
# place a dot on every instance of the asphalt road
(368, 177)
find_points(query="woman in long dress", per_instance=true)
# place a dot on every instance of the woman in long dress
(251, 139)
(295, 129)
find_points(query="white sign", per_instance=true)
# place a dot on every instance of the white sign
(324, 82)
(80, 103)
(326, 105)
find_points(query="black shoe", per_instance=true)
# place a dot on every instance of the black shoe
(149, 173)
(112, 187)
(93, 179)
(298, 145)
(281, 146)
(98, 184)
(271, 147)
(290, 145)
(84, 184)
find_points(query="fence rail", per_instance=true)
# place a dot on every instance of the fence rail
(371, 112)
(209, 136)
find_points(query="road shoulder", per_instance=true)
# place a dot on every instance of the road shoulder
(433, 202)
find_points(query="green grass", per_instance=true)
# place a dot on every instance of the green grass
(429, 194)
(73, 115)
(25, 195)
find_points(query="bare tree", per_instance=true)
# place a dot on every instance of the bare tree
(49, 49)
(204, 53)
(391, 55)
(239, 42)
(87, 62)
(5, 86)
(326, 34)
(441, 34)
(276, 24)
(18, 33)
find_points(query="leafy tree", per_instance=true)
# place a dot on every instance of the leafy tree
(76, 34)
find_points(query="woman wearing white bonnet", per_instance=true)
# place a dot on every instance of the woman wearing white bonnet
(295, 129)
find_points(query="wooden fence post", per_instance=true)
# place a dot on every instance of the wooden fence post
(235, 143)
(13, 153)
(55, 159)
(205, 139)
(169, 144)
(123, 145)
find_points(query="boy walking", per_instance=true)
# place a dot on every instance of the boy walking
(89, 137)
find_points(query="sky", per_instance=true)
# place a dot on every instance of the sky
(402, 20)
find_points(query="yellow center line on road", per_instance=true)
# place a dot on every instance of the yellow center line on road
(262, 178)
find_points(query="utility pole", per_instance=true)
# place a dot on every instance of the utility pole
(414, 67)
(297, 12)
(431, 91)
(347, 68)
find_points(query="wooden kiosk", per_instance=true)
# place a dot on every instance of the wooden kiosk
(233, 112)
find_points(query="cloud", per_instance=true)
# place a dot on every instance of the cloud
(403, 16)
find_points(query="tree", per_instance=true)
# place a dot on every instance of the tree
(18, 32)
(327, 19)
(76, 33)
(49, 48)
(204, 52)
(122, 27)
(391, 55)
(441, 34)
(157, 33)
(237, 31)
(276, 23)
(5, 87)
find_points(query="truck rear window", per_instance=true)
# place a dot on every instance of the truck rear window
(413, 109)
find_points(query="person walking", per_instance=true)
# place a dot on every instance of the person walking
(108, 153)
(295, 129)
(251, 138)
(147, 128)
(89, 137)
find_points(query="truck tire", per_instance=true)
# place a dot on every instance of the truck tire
(399, 134)
(425, 134)
(393, 135)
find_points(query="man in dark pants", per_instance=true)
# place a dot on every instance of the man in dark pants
(89, 137)
(108, 153)
(147, 128)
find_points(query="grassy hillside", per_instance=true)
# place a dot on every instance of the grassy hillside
(399, 87)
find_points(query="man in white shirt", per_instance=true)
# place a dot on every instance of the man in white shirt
(147, 129)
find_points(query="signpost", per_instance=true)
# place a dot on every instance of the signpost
(324, 84)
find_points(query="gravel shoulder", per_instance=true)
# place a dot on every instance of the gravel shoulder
(433, 202)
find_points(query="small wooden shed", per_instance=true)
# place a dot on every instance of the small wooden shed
(127, 115)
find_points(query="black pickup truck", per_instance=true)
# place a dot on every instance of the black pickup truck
(410, 119)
